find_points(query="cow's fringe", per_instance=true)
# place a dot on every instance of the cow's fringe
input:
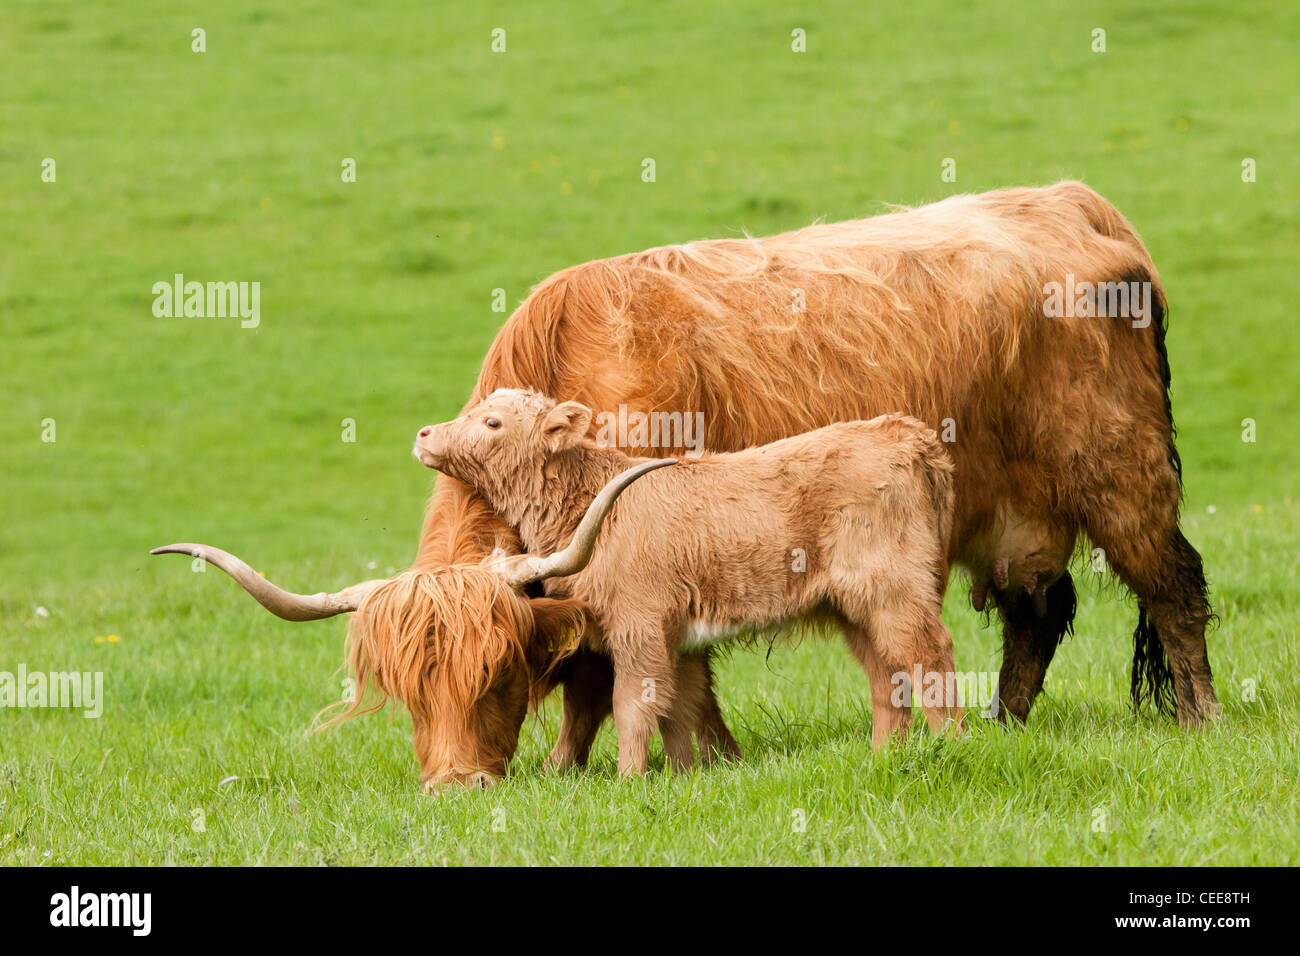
(434, 640)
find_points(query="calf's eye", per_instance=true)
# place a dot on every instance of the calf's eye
(492, 422)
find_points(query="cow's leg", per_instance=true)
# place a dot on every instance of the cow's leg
(1133, 518)
(711, 732)
(1030, 634)
(1171, 665)
(588, 700)
(1179, 612)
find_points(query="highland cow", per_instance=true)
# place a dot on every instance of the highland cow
(1058, 420)
(847, 524)
(1059, 425)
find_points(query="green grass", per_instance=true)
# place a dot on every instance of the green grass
(479, 171)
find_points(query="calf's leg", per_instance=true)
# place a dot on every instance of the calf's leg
(904, 635)
(679, 752)
(588, 682)
(891, 709)
(711, 732)
(643, 692)
(690, 687)
(695, 707)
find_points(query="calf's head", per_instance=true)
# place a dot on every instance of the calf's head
(501, 445)
(461, 646)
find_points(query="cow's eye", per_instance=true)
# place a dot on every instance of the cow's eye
(492, 422)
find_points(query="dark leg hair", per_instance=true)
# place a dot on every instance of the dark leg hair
(1171, 666)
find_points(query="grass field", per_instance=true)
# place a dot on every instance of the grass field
(478, 171)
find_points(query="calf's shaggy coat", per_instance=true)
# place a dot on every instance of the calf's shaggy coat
(846, 524)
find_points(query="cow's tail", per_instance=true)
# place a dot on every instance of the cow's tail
(1159, 327)
(1152, 678)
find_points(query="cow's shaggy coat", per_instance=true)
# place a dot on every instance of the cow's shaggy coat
(1060, 425)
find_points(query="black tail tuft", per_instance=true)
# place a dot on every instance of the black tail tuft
(1160, 325)
(1152, 679)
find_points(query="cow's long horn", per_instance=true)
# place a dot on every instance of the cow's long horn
(281, 603)
(525, 568)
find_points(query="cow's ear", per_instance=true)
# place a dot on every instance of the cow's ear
(565, 425)
(558, 624)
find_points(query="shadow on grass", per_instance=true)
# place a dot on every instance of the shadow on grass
(1058, 731)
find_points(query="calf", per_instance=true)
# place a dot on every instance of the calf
(847, 524)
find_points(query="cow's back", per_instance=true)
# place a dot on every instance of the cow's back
(938, 312)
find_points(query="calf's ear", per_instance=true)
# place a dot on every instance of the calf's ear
(565, 425)
(558, 625)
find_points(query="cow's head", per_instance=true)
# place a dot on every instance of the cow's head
(462, 646)
(464, 650)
